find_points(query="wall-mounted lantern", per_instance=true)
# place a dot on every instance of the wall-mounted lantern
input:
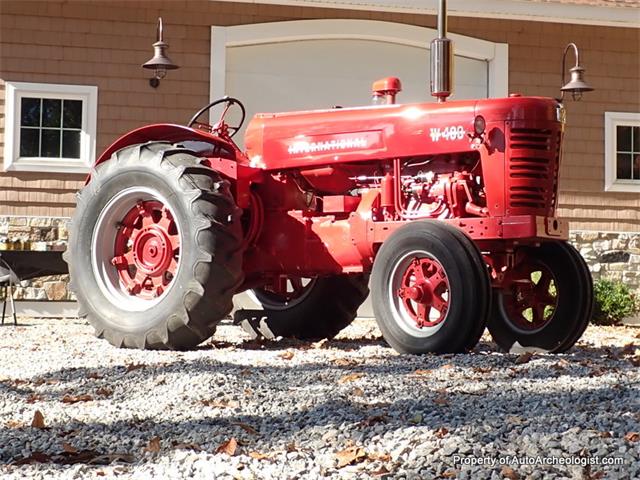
(576, 84)
(160, 62)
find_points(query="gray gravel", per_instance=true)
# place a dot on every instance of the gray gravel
(347, 408)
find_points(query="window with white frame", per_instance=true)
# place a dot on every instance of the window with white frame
(622, 151)
(50, 127)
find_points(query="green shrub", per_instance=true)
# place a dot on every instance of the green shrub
(613, 302)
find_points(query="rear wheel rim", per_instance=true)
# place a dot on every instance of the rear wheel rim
(530, 296)
(136, 249)
(419, 293)
(289, 292)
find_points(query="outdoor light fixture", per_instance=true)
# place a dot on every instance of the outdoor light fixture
(576, 84)
(160, 62)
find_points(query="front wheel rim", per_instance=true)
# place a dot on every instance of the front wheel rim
(136, 249)
(419, 293)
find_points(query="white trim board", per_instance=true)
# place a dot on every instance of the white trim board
(552, 12)
(495, 54)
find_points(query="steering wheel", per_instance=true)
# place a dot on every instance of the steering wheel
(221, 128)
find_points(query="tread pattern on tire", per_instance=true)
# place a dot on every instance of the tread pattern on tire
(216, 273)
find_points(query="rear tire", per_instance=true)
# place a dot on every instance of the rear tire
(324, 307)
(546, 302)
(430, 288)
(154, 248)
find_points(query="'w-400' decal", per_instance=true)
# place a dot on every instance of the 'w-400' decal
(454, 132)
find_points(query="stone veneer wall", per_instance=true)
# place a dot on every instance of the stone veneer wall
(611, 255)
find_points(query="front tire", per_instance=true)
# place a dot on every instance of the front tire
(431, 289)
(155, 248)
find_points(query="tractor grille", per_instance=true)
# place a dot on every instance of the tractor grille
(532, 170)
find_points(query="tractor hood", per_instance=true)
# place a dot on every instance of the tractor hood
(276, 141)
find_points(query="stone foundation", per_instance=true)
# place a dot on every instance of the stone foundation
(615, 256)
(611, 255)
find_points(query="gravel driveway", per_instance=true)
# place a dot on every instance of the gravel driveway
(347, 408)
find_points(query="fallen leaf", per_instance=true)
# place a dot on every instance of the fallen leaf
(380, 472)
(378, 457)
(632, 437)
(246, 427)
(629, 349)
(423, 372)
(524, 358)
(509, 473)
(343, 362)
(13, 424)
(447, 366)
(514, 420)
(560, 365)
(94, 376)
(357, 392)
(186, 446)
(441, 432)
(350, 377)
(33, 398)
(350, 455)
(229, 447)
(35, 457)
(248, 392)
(134, 366)
(367, 422)
(291, 447)
(441, 400)
(38, 420)
(104, 392)
(595, 475)
(288, 355)
(220, 403)
(245, 372)
(449, 474)
(67, 447)
(605, 434)
(76, 398)
(482, 370)
(258, 455)
(153, 446)
(598, 371)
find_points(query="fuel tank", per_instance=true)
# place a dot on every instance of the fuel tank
(276, 141)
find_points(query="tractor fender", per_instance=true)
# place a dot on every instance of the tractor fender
(167, 132)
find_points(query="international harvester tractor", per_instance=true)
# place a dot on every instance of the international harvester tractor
(446, 210)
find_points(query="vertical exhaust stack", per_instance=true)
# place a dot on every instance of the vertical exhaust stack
(442, 58)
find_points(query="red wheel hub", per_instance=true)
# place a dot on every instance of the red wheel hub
(425, 292)
(530, 295)
(146, 250)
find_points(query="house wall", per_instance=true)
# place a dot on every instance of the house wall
(104, 42)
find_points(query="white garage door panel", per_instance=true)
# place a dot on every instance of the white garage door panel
(316, 74)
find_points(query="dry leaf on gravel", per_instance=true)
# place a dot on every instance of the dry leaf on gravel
(33, 398)
(13, 424)
(350, 377)
(153, 446)
(258, 455)
(378, 457)
(605, 434)
(350, 455)
(246, 427)
(449, 474)
(288, 355)
(343, 362)
(67, 447)
(222, 403)
(441, 432)
(134, 366)
(94, 376)
(632, 437)
(447, 366)
(441, 400)
(509, 473)
(367, 422)
(229, 447)
(422, 372)
(524, 358)
(357, 392)
(38, 420)
(76, 398)
(380, 472)
(104, 392)
(482, 370)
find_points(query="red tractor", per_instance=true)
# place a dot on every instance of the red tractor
(446, 209)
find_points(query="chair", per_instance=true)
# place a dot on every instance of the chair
(8, 279)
